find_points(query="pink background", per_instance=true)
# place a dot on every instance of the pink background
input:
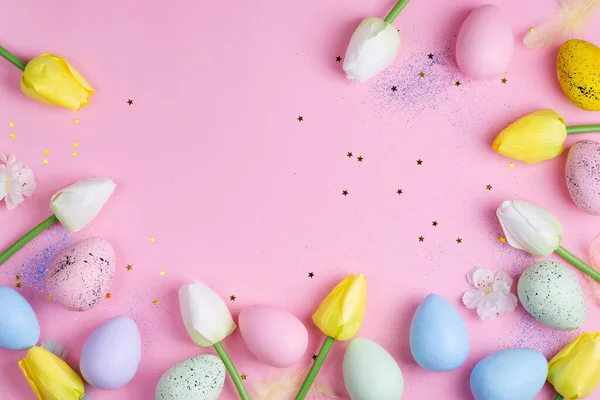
(211, 161)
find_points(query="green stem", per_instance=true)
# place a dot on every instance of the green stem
(235, 376)
(579, 264)
(314, 370)
(18, 245)
(558, 397)
(14, 60)
(396, 10)
(574, 130)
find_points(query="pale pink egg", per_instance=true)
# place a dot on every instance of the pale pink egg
(582, 171)
(485, 44)
(274, 336)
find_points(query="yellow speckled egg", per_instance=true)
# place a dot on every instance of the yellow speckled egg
(578, 67)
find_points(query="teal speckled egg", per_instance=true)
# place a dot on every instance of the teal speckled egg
(553, 295)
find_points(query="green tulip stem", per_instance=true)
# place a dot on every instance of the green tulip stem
(578, 263)
(396, 10)
(18, 245)
(235, 376)
(558, 397)
(14, 60)
(314, 370)
(574, 130)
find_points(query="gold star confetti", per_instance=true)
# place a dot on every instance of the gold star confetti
(503, 80)
(243, 376)
(488, 187)
(430, 56)
(338, 59)
(18, 285)
(511, 165)
(422, 74)
(162, 273)
(314, 356)
(11, 124)
(129, 267)
(419, 162)
(74, 153)
(394, 88)
(75, 144)
(76, 121)
(107, 295)
(434, 223)
(531, 29)
(130, 102)
(349, 154)
(421, 239)
(152, 239)
(300, 118)
(12, 136)
(311, 275)
(46, 152)
(45, 161)
(501, 239)
(344, 193)
(155, 302)
(457, 83)
(232, 297)
(359, 158)
(17, 277)
(399, 191)
(49, 297)
(458, 240)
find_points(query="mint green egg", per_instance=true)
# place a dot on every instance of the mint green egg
(370, 372)
(551, 293)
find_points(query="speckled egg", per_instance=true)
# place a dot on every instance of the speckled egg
(197, 378)
(81, 276)
(553, 295)
(582, 171)
(578, 67)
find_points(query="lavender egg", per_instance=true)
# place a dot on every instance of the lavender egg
(82, 275)
(583, 175)
(111, 355)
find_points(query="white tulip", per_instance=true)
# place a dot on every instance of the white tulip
(77, 205)
(205, 314)
(373, 47)
(529, 227)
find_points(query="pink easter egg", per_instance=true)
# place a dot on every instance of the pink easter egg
(582, 171)
(485, 44)
(274, 336)
(81, 276)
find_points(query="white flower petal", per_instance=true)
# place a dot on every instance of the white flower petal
(483, 277)
(501, 276)
(506, 303)
(17, 181)
(472, 298)
(2, 181)
(470, 275)
(486, 312)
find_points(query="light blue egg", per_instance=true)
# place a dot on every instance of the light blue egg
(509, 374)
(439, 340)
(19, 327)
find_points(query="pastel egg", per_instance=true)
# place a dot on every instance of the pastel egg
(551, 293)
(111, 355)
(82, 275)
(509, 374)
(274, 336)
(197, 378)
(19, 326)
(370, 372)
(582, 171)
(485, 44)
(578, 67)
(439, 340)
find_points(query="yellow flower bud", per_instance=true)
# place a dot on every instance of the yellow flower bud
(341, 313)
(536, 137)
(575, 370)
(52, 80)
(50, 377)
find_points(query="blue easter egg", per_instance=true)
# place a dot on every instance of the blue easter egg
(19, 327)
(439, 340)
(509, 374)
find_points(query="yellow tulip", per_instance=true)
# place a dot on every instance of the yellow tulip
(575, 370)
(341, 313)
(52, 80)
(50, 377)
(536, 137)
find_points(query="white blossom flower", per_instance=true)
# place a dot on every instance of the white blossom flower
(491, 295)
(16, 181)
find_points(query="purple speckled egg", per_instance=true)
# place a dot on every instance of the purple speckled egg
(81, 276)
(111, 355)
(583, 175)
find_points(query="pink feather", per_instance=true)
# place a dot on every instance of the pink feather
(594, 260)
(284, 384)
(569, 22)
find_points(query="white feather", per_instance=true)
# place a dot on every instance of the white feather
(284, 385)
(569, 22)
